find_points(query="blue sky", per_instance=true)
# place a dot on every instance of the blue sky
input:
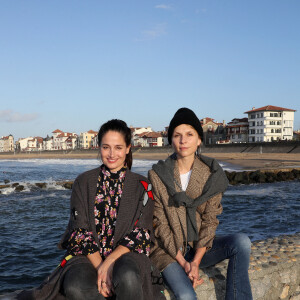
(75, 64)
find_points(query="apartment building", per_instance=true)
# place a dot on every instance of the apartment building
(64, 140)
(7, 144)
(270, 123)
(237, 130)
(212, 131)
(86, 139)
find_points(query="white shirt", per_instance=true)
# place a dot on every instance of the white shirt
(185, 178)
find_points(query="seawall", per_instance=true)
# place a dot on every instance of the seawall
(274, 272)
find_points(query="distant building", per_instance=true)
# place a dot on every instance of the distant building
(48, 143)
(270, 123)
(60, 140)
(148, 139)
(237, 130)
(138, 134)
(22, 144)
(212, 131)
(85, 139)
(7, 144)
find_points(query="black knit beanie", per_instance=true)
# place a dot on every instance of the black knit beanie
(184, 116)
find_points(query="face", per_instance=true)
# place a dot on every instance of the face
(113, 150)
(185, 141)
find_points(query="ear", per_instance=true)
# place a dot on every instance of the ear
(199, 142)
(128, 149)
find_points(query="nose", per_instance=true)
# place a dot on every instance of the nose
(182, 139)
(111, 153)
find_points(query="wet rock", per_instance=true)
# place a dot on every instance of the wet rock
(4, 186)
(15, 184)
(19, 188)
(68, 185)
(6, 181)
(41, 185)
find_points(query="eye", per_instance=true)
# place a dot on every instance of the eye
(104, 147)
(119, 148)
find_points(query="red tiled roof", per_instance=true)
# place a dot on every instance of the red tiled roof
(92, 131)
(56, 131)
(153, 134)
(269, 108)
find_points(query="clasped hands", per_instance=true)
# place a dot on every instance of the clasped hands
(192, 270)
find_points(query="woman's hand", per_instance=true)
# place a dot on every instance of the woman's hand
(194, 274)
(104, 282)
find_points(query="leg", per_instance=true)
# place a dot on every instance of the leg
(177, 280)
(127, 279)
(80, 282)
(236, 248)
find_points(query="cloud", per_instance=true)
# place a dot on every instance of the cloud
(12, 116)
(153, 33)
(164, 6)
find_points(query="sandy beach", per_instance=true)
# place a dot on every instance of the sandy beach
(249, 161)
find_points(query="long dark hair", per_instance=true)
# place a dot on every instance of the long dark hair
(121, 127)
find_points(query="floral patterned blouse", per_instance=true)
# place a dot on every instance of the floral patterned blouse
(107, 202)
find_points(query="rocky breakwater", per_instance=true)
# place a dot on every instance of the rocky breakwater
(263, 176)
(17, 187)
(274, 272)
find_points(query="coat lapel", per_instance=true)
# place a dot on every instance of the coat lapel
(196, 182)
(128, 207)
(181, 211)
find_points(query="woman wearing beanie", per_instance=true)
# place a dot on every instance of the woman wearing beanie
(187, 189)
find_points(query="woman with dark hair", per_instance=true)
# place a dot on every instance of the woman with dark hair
(187, 189)
(109, 232)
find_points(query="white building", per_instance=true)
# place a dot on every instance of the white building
(22, 143)
(48, 144)
(60, 140)
(270, 123)
(86, 139)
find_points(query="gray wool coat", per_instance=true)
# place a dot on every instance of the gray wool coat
(82, 216)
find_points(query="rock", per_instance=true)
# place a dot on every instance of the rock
(68, 185)
(4, 186)
(15, 184)
(19, 188)
(285, 292)
(6, 181)
(41, 185)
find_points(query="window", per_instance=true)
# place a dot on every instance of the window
(261, 131)
(261, 115)
(252, 131)
(257, 115)
(261, 123)
(272, 130)
(257, 131)
(239, 136)
(278, 123)
(257, 123)
(252, 116)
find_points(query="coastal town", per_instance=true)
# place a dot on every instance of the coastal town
(265, 124)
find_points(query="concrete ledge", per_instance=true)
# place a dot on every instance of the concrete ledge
(274, 272)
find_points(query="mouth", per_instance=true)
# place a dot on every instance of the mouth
(111, 161)
(183, 148)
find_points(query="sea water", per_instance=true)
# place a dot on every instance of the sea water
(32, 221)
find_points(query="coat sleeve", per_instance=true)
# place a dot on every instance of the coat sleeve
(209, 221)
(78, 214)
(162, 229)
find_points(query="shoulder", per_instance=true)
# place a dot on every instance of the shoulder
(132, 176)
(86, 176)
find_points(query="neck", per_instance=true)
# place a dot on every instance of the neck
(185, 164)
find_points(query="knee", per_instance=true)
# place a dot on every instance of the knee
(126, 273)
(241, 243)
(186, 295)
(72, 290)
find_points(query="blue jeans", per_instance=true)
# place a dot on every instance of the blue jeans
(236, 248)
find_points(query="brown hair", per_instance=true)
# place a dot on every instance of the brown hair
(121, 127)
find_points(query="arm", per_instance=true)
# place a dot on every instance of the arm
(162, 229)
(209, 222)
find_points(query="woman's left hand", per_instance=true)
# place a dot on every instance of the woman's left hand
(105, 286)
(194, 274)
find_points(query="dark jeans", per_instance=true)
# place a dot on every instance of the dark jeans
(80, 282)
(236, 248)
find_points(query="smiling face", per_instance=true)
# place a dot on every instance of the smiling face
(185, 141)
(113, 150)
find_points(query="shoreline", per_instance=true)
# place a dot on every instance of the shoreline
(249, 161)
